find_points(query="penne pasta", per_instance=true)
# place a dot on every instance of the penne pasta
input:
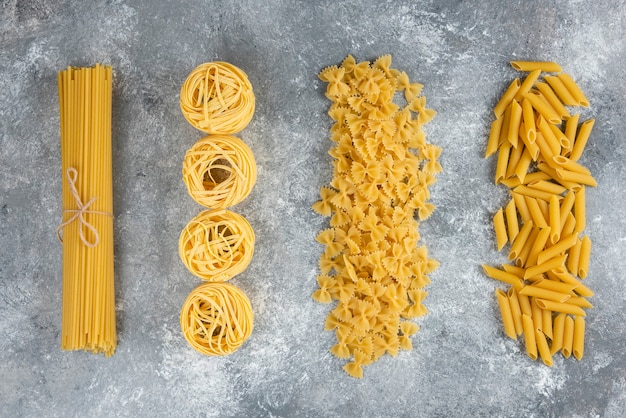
(516, 310)
(514, 121)
(578, 339)
(527, 66)
(548, 187)
(524, 304)
(503, 276)
(571, 126)
(550, 138)
(529, 336)
(556, 286)
(523, 255)
(545, 266)
(559, 248)
(528, 115)
(507, 97)
(570, 165)
(555, 219)
(500, 229)
(580, 301)
(581, 139)
(560, 307)
(503, 160)
(524, 163)
(561, 91)
(569, 225)
(505, 311)
(527, 84)
(542, 107)
(535, 212)
(512, 226)
(536, 314)
(574, 90)
(494, 137)
(541, 293)
(575, 177)
(579, 210)
(585, 253)
(520, 240)
(558, 328)
(568, 337)
(566, 207)
(537, 246)
(573, 257)
(546, 325)
(514, 158)
(565, 277)
(521, 207)
(554, 101)
(544, 350)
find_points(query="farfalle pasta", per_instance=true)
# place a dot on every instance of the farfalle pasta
(372, 265)
(545, 217)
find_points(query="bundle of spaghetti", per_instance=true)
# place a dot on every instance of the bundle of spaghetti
(217, 98)
(219, 171)
(372, 265)
(216, 245)
(539, 144)
(88, 314)
(216, 318)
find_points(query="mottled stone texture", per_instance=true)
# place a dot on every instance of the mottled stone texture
(462, 364)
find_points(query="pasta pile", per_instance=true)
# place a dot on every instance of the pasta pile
(372, 265)
(88, 314)
(217, 98)
(216, 318)
(533, 128)
(217, 245)
(219, 171)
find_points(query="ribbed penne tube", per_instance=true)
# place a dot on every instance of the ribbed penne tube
(543, 108)
(548, 187)
(529, 191)
(505, 311)
(580, 210)
(514, 121)
(568, 337)
(546, 325)
(571, 165)
(503, 276)
(583, 261)
(571, 127)
(524, 163)
(551, 171)
(523, 255)
(524, 304)
(528, 115)
(573, 89)
(573, 257)
(554, 101)
(550, 138)
(521, 207)
(512, 226)
(564, 276)
(529, 336)
(576, 177)
(541, 293)
(506, 98)
(563, 140)
(560, 90)
(545, 266)
(514, 158)
(558, 248)
(494, 137)
(556, 286)
(520, 240)
(503, 161)
(580, 301)
(535, 212)
(527, 84)
(578, 340)
(527, 66)
(569, 225)
(500, 229)
(581, 139)
(537, 246)
(566, 207)
(560, 307)
(555, 219)
(516, 310)
(536, 314)
(558, 328)
(544, 350)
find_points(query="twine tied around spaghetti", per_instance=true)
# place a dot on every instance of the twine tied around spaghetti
(78, 214)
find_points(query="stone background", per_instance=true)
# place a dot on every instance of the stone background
(461, 365)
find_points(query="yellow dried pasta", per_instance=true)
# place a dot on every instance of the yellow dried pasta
(217, 98)
(550, 203)
(216, 319)
(372, 265)
(219, 171)
(216, 245)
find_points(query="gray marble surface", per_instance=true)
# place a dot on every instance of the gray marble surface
(462, 364)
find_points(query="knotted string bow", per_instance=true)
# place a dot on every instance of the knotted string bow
(72, 175)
